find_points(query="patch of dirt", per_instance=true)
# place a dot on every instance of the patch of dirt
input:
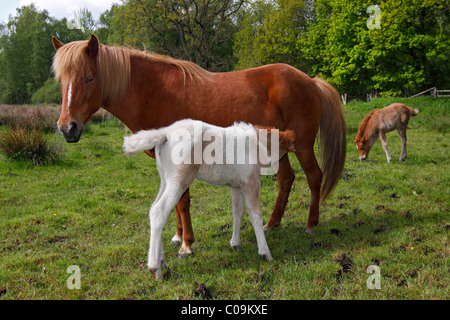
(346, 266)
(380, 228)
(335, 231)
(201, 291)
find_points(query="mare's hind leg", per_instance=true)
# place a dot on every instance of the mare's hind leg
(185, 233)
(238, 212)
(313, 174)
(402, 133)
(383, 139)
(285, 177)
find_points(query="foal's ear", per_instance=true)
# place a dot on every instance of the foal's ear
(92, 47)
(56, 44)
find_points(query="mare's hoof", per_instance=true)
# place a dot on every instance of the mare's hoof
(182, 256)
(236, 248)
(268, 227)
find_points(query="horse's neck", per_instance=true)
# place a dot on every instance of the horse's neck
(132, 107)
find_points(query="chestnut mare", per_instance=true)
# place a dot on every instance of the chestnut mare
(147, 91)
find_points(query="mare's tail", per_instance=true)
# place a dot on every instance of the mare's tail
(333, 140)
(143, 140)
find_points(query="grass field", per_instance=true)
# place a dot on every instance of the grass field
(90, 209)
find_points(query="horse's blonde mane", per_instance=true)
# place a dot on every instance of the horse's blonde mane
(363, 125)
(113, 66)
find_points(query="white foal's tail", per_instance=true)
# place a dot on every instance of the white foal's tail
(414, 111)
(143, 140)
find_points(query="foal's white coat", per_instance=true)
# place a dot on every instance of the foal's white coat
(243, 179)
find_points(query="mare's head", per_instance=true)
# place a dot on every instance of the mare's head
(88, 75)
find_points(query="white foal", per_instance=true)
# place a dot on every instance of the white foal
(207, 153)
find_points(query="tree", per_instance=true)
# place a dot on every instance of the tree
(409, 51)
(26, 52)
(270, 32)
(197, 30)
(25, 60)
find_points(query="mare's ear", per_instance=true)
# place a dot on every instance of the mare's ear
(92, 47)
(56, 44)
(356, 140)
(287, 139)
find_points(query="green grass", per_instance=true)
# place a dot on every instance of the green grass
(91, 210)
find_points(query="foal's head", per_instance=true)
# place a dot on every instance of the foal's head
(364, 138)
(91, 75)
(363, 147)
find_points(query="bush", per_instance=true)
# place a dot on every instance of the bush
(20, 144)
(31, 118)
(50, 92)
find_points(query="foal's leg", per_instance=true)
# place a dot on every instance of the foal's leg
(159, 213)
(238, 212)
(402, 133)
(314, 177)
(385, 146)
(251, 195)
(285, 177)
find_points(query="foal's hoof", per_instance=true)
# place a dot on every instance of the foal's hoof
(156, 273)
(266, 257)
(308, 231)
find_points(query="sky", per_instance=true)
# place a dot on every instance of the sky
(56, 8)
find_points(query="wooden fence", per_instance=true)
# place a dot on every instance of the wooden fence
(434, 93)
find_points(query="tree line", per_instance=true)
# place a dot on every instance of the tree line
(388, 48)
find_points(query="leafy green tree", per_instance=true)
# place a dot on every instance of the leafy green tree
(411, 51)
(25, 58)
(269, 32)
(197, 30)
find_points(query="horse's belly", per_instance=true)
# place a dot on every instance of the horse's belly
(221, 175)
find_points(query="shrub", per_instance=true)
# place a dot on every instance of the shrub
(20, 144)
(50, 92)
(41, 118)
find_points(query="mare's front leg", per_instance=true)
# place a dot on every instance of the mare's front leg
(185, 233)
(383, 139)
(285, 178)
(238, 212)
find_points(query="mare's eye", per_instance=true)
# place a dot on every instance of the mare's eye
(89, 79)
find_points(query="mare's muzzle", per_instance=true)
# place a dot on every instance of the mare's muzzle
(72, 132)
